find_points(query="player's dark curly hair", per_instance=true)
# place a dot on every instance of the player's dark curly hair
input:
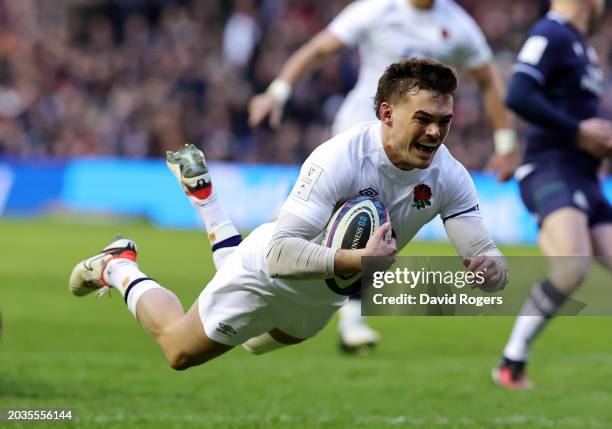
(414, 74)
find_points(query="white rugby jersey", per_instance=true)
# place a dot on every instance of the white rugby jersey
(354, 163)
(387, 31)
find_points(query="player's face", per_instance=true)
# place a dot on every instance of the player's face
(419, 125)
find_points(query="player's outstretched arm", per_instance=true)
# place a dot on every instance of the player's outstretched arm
(478, 252)
(292, 254)
(271, 102)
(507, 153)
(526, 98)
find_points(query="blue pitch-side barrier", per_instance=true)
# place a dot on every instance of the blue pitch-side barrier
(251, 194)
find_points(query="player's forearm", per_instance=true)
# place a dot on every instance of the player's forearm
(309, 56)
(348, 261)
(469, 235)
(492, 87)
(497, 112)
(298, 65)
(526, 99)
(470, 238)
(292, 254)
(294, 257)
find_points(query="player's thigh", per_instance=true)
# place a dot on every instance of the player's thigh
(601, 236)
(565, 232)
(565, 239)
(235, 305)
(601, 228)
(299, 322)
(187, 342)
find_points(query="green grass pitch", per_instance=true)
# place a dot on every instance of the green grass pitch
(89, 354)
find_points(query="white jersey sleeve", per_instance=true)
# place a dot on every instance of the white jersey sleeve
(353, 21)
(474, 51)
(460, 197)
(322, 183)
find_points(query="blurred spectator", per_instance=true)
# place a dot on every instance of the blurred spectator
(135, 78)
(240, 35)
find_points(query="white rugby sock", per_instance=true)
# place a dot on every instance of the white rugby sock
(525, 329)
(218, 225)
(125, 276)
(350, 315)
(541, 305)
(137, 290)
(120, 272)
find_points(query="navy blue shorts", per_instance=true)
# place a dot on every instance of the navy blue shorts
(557, 185)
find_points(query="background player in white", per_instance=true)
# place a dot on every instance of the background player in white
(269, 289)
(386, 31)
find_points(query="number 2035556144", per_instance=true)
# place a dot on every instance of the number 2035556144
(38, 414)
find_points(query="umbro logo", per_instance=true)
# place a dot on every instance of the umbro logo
(368, 192)
(226, 330)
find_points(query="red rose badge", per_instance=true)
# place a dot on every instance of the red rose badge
(422, 196)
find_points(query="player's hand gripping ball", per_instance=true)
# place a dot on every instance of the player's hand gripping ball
(350, 227)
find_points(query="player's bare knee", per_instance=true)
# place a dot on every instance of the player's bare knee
(568, 273)
(180, 361)
(175, 354)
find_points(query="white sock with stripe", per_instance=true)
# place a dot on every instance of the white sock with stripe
(126, 277)
(218, 225)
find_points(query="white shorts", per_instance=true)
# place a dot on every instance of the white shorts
(241, 302)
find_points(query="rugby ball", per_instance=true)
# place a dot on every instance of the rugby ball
(350, 227)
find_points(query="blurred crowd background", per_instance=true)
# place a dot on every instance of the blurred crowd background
(134, 78)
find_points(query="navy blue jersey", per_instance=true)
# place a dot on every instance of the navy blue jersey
(564, 72)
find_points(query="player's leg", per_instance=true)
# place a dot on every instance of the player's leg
(295, 322)
(563, 200)
(565, 232)
(601, 236)
(355, 334)
(188, 165)
(272, 340)
(601, 230)
(181, 336)
(582, 227)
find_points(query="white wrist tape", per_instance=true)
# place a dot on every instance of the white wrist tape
(280, 90)
(505, 141)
